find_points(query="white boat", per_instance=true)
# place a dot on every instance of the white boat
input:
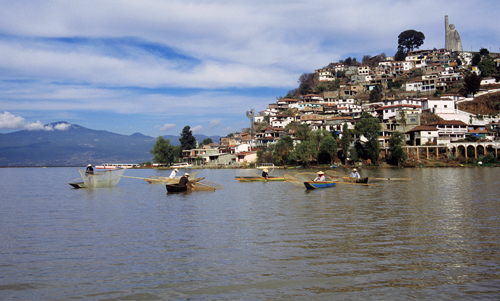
(181, 165)
(266, 166)
(107, 178)
(115, 166)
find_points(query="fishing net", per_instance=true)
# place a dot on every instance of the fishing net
(163, 180)
(298, 179)
(250, 173)
(204, 186)
(102, 179)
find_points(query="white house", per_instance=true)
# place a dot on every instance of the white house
(439, 105)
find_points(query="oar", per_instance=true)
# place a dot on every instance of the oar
(391, 179)
(357, 184)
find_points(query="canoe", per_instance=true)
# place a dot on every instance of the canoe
(259, 179)
(166, 180)
(316, 185)
(77, 185)
(360, 180)
(175, 188)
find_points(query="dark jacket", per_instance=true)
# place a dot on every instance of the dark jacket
(184, 181)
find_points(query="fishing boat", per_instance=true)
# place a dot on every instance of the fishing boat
(77, 185)
(175, 188)
(258, 179)
(316, 185)
(101, 179)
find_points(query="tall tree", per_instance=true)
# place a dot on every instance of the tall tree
(207, 141)
(303, 132)
(187, 139)
(163, 151)
(472, 83)
(329, 145)
(487, 67)
(369, 127)
(345, 141)
(304, 152)
(397, 154)
(376, 94)
(282, 150)
(410, 39)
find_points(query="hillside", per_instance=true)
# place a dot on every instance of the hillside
(488, 104)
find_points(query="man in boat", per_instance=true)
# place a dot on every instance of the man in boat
(89, 170)
(172, 174)
(265, 174)
(184, 180)
(321, 177)
(355, 174)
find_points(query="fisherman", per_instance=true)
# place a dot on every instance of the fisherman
(355, 174)
(172, 174)
(184, 180)
(265, 174)
(321, 177)
(89, 170)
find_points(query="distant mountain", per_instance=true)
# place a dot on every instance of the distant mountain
(73, 145)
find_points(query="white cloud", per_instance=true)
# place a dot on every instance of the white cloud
(38, 126)
(62, 126)
(197, 129)
(213, 124)
(167, 127)
(10, 121)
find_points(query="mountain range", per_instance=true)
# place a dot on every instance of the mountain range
(65, 144)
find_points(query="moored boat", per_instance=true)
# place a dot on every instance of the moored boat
(316, 185)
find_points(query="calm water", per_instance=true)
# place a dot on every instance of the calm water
(435, 237)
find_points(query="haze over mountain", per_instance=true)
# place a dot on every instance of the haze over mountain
(65, 144)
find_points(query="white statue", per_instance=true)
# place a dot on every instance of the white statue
(453, 42)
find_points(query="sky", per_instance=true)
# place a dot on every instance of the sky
(155, 66)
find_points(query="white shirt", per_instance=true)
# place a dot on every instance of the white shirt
(355, 174)
(172, 174)
(320, 178)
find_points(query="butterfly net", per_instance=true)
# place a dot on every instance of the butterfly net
(102, 179)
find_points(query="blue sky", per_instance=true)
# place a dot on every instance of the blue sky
(154, 66)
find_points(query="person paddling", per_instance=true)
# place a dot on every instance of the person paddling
(321, 177)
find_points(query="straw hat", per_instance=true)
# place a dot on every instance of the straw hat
(89, 165)
(265, 169)
(176, 170)
(186, 174)
(320, 172)
(354, 169)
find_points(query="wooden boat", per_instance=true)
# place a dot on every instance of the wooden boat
(165, 180)
(362, 180)
(77, 185)
(259, 179)
(175, 188)
(316, 185)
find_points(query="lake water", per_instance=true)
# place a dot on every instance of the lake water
(434, 237)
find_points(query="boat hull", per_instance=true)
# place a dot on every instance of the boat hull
(259, 179)
(175, 188)
(318, 185)
(77, 185)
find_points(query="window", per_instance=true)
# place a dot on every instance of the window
(445, 106)
(435, 106)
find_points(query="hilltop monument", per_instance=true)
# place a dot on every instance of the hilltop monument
(453, 42)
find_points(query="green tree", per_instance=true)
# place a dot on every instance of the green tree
(487, 67)
(304, 153)
(369, 127)
(484, 52)
(472, 83)
(187, 139)
(163, 151)
(345, 141)
(282, 150)
(400, 55)
(207, 141)
(329, 145)
(376, 94)
(303, 132)
(476, 59)
(410, 39)
(397, 154)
